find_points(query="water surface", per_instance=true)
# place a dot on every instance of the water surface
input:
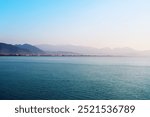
(74, 78)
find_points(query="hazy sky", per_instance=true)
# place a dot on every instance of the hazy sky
(95, 23)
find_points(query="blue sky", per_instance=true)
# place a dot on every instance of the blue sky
(95, 23)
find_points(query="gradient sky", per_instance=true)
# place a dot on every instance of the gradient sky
(95, 23)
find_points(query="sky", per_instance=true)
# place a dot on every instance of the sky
(94, 23)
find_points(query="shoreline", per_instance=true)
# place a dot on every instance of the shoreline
(49, 55)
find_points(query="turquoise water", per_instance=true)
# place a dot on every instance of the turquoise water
(74, 78)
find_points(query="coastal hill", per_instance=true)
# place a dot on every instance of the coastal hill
(9, 49)
(31, 48)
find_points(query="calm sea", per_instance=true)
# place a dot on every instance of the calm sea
(74, 78)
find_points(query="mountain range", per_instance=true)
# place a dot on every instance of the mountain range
(82, 50)
(9, 49)
(62, 50)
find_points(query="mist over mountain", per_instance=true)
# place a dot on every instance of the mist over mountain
(126, 51)
(69, 48)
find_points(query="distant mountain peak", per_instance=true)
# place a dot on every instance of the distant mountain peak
(31, 48)
(6, 49)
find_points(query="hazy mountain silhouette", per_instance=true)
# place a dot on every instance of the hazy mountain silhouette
(69, 48)
(126, 51)
(26, 49)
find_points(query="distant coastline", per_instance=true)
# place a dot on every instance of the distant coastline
(68, 50)
(49, 55)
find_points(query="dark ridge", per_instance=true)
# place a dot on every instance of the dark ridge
(26, 49)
